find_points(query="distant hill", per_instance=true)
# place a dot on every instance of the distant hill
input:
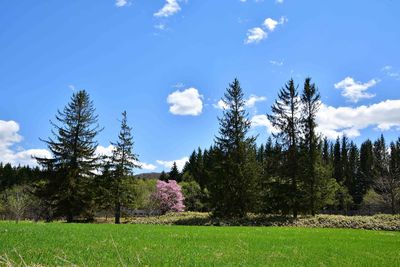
(150, 175)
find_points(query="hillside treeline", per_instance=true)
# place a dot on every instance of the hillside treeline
(295, 171)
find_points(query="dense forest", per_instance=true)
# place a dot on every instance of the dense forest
(295, 171)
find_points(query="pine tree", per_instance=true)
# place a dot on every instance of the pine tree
(174, 173)
(235, 171)
(352, 175)
(310, 99)
(344, 155)
(337, 162)
(285, 117)
(366, 165)
(123, 161)
(71, 169)
(325, 151)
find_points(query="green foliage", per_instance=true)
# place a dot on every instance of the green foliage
(16, 201)
(373, 202)
(123, 161)
(285, 117)
(236, 172)
(174, 174)
(70, 171)
(143, 190)
(196, 199)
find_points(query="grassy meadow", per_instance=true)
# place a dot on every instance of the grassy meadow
(58, 244)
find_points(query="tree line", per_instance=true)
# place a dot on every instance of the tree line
(295, 171)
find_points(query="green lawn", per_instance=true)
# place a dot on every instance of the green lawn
(153, 245)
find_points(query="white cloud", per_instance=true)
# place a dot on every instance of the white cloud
(121, 3)
(186, 102)
(255, 35)
(354, 90)
(221, 105)
(170, 8)
(279, 1)
(104, 151)
(336, 121)
(253, 99)
(262, 121)
(180, 163)
(147, 166)
(271, 24)
(9, 137)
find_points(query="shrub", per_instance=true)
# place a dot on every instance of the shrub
(169, 196)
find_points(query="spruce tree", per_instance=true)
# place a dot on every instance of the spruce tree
(71, 168)
(174, 173)
(337, 162)
(236, 171)
(123, 161)
(366, 165)
(285, 117)
(325, 151)
(310, 99)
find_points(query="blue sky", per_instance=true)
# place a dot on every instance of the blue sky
(167, 63)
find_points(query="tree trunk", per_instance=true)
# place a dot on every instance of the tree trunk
(393, 203)
(312, 199)
(118, 213)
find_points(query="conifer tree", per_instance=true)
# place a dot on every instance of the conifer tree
(123, 161)
(236, 170)
(174, 174)
(71, 168)
(366, 165)
(310, 99)
(337, 162)
(285, 117)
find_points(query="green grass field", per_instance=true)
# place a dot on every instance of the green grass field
(110, 245)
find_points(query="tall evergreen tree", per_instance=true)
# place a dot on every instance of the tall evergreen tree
(366, 166)
(326, 157)
(310, 99)
(352, 173)
(123, 161)
(71, 169)
(236, 171)
(285, 117)
(174, 173)
(337, 162)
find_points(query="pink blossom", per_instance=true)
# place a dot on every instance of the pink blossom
(169, 196)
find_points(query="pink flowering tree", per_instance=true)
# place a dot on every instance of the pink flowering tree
(169, 196)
